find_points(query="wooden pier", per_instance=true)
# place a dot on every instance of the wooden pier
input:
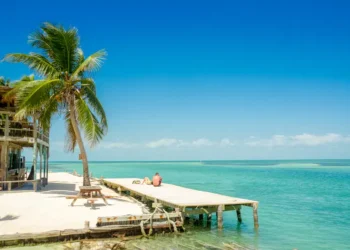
(185, 200)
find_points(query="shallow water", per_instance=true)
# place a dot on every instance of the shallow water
(302, 204)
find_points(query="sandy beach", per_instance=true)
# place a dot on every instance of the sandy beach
(48, 209)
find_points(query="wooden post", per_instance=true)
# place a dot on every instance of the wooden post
(4, 149)
(177, 210)
(9, 186)
(47, 165)
(4, 161)
(7, 127)
(35, 146)
(255, 215)
(239, 216)
(41, 160)
(45, 160)
(35, 188)
(219, 216)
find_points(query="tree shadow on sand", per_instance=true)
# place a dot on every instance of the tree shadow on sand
(9, 217)
(55, 188)
(60, 186)
(60, 193)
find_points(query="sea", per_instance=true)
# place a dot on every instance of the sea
(303, 204)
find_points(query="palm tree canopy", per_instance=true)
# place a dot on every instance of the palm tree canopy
(65, 71)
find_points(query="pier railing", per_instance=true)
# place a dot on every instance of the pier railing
(8, 184)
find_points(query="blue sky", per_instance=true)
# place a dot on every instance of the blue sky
(188, 80)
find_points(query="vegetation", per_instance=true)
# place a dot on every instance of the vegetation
(66, 88)
(4, 82)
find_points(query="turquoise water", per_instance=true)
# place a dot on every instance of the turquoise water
(303, 204)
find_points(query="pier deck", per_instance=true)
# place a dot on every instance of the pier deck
(188, 201)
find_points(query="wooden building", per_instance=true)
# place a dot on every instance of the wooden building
(14, 137)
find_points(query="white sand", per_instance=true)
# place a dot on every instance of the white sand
(48, 209)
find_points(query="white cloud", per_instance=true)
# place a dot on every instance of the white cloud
(314, 140)
(202, 142)
(165, 142)
(110, 145)
(171, 142)
(302, 139)
(225, 142)
(181, 143)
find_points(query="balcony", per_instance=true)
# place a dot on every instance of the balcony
(22, 132)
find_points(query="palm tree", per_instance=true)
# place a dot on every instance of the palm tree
(65, 88)
(4, 82)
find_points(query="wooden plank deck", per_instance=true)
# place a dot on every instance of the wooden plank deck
(184, 198)
(179, 196)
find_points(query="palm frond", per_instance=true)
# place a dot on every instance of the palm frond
(48, 110)
(38, 94)
(35, 61)
(22, 114)
(90, 96)
(88, 122)
(80, 56)
(62, 46)
(2, 81)
(20, 88)
(91, 64)
(45, 108)
(28, 78)
(40, 40)
(88, 82)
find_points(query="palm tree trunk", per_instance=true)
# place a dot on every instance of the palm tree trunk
(86, 178)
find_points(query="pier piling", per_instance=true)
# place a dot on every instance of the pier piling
(239, 216)
(219, 217)
(255, 215)
(200, 217)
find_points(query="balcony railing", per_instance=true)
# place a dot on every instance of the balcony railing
(22, 130)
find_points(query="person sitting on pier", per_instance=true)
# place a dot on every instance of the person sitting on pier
(157, 180)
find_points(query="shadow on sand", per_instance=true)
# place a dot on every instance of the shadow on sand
(60, 186)
(9, 217)
(60, 189)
